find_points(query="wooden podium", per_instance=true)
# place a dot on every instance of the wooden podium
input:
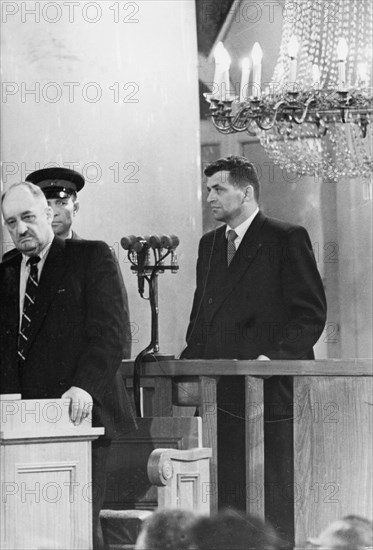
(46, 491)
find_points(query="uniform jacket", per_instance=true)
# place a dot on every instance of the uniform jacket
(77, 329)
(269, 301)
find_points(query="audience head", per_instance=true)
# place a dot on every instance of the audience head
(233, 530)
(167, 530)
(27, 217)
(351, 532)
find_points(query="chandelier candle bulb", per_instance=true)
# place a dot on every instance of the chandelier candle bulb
(362, 74)
(245, 76)
(257, 56)
(221, 77)
(342, 51)
(293, 48)
(316, 77)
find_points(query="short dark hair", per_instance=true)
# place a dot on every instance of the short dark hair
(241, 172)
(358, 532)
(168, 529)
(233, 530)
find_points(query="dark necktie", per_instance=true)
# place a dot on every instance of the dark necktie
(231, 249)
(28, 305)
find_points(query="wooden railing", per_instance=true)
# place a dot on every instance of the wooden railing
(333, 406)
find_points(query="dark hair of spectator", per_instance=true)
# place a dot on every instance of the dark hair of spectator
(233, 530)
(168, 530)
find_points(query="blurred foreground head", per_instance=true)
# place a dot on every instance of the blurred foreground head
(350, 532)
(167, 530)
(233, 530)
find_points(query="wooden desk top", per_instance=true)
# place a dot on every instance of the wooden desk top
(229, 367)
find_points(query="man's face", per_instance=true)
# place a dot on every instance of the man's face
(64, 211)
(227, 201)
(28, 220)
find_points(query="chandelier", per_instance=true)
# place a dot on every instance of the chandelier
(314, 117)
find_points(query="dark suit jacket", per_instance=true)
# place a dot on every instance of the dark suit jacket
(269, 301)
(77, 329)
(127, 325)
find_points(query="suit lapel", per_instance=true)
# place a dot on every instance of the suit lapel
(53, 271)
(11, 289)
(229, 278)
(248, 249)
(218, 265)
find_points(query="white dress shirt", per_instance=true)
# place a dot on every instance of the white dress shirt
(241, 229)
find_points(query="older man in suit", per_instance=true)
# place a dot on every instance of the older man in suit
(259, 296)
(61, 186)
(62, 322)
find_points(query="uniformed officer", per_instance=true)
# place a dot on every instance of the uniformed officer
(60, 186)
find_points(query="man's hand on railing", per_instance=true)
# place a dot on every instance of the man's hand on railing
(262, 358)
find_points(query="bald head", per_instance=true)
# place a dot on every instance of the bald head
(27, 217)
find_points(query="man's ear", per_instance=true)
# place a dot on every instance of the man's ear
(49, 213)
(76, 207)
(249, 192)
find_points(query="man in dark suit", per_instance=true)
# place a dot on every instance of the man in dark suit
(70, 345)
(61, 186)
(259, 296)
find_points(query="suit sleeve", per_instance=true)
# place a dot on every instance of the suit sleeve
(195, 333)
(303, 296)
(127, 340)
(104, 323)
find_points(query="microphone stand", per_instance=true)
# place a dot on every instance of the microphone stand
(138, 255)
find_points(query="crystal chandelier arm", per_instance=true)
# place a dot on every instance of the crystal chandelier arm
(273, 119)
(302, 118)
(242, 120)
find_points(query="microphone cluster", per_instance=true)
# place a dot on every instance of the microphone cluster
(156, 242)
(140, 251)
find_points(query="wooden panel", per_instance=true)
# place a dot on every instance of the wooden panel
(254, 425)
(43, 482)
(128, 486)
(230, 367)
(162, 404)
(333, 446)
(187, 491)
(208, 412)
(182, 478)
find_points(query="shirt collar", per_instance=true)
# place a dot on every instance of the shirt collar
(42, 254)
(244, 226)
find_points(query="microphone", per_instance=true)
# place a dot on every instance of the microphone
(141, 248)
(155, 242)
(170, 242)
(128, 242)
